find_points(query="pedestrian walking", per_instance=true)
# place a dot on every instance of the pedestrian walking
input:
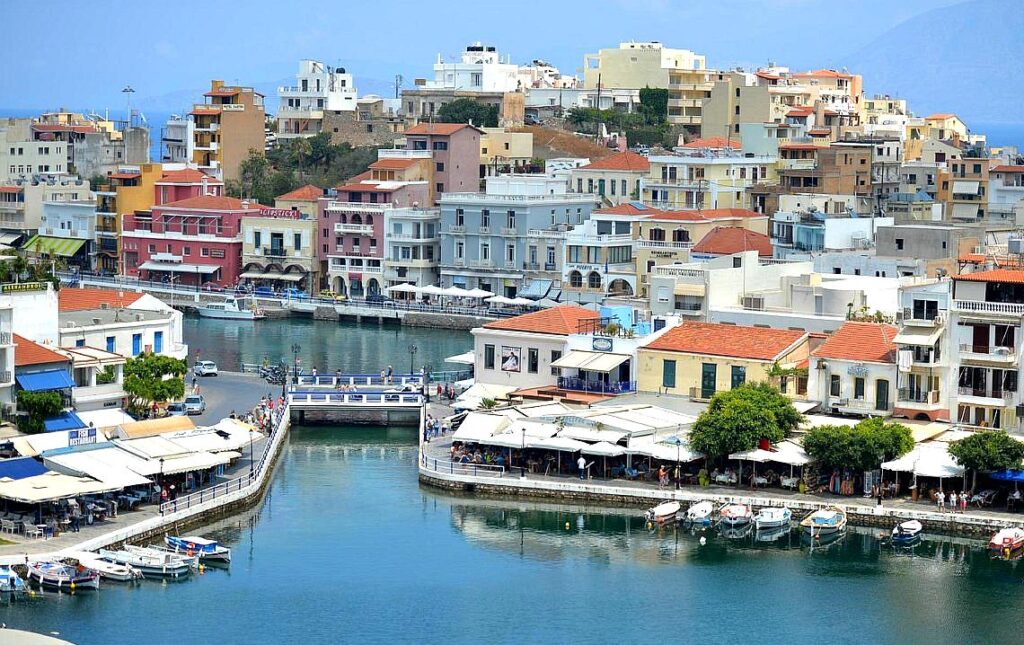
(963, 501)
(439, 390)
(940, 500)
(952, 501)
(391, 373)
(581, 463)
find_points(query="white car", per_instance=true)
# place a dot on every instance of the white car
(205, 368)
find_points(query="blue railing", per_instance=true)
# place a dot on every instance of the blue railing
(577, 384)
(334, 380)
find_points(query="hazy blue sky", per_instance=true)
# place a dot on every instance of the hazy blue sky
(82, 53)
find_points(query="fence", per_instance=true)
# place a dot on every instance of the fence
(454, 468)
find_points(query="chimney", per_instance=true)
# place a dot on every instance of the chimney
(245, 204)
(205, 189)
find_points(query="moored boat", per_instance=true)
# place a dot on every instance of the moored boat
(208, 549)
(664, 512)
(700, 513)
(57, 575)
(772, 517)
(737, 531)
(826, 521)
(906, 532)
(735, 514)
(1007, 543)
(107, 569)
(10, 581)
(153, 564)
(230, 309)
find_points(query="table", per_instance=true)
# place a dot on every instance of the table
(725, 479)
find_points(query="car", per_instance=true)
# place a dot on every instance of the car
(531, 119)
(176, 409)
(294, 294)
(204, 368)
(328, 294)
(212, 287)
(194, 404)
(266, 292)
(378, 297)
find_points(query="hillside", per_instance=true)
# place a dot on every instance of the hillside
(549, 143)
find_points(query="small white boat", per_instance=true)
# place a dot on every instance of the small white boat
(230, 309)
(57, 575)
(700, 512)
(906, 532)
(151, 563)
(737, 532)
(771, 534)
(772, 517)
(107, 568)
(664, 512)
(10, 581)
(735, 514)
(826, 521)
(205, 548)
(1007, 543)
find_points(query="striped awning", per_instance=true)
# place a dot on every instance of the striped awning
(62, 246)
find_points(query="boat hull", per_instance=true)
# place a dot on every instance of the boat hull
(52, 580)
(227, 315)
(772, 522)
(211, 551)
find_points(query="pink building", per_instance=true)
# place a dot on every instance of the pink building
(176, 185)
(455, 148)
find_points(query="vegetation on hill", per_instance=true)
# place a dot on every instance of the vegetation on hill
(469, 111)
(648, 125)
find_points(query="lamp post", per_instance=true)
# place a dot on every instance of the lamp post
(412, 357)
(161, 480)
(295, 362)
(522, 454)
(252, 460)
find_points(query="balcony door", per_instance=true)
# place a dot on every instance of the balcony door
(708, 379)
(881, 394)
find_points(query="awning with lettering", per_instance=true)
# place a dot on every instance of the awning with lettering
(62, 246)
(175, 267)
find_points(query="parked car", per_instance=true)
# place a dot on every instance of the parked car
(212, 287)
(204, 368)
(176, 409)
(266, 292)
(378, 297)
(531, 119)
(294, 294)
(194, 404)
(327, 294)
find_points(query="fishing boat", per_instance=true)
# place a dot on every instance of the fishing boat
(1007, 543)
(10, 581)
(700, 513)
(58, 575)
(735, 515)
(906, 532)
(827, 521)
(107, 568)
(771, 534)
(737, 531)
(211, 550)
(230, 309)
(772, 517)
(151, 563)
(664, 512)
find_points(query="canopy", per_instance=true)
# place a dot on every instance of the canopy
(251, 275)
(591, 361)
(592, 434)
(64, 421)
(478, 293)
(82, 463)
(562, 444)
(757, 454)
(405, 287)
(546, 303)
(1008, 476)
(522, 302)
(431, 290)
(791, 454)
(472, 398)
(63, 246)
(20, 468)
(45, 381)
(35, 444)
(927, 460)
(49, 487)
(603, 449)
(509, 440)
(176, 267)
(463, 359)
(478, 427)
(228, 435)
(917, 336)
(662, 451)
(105, 418)
(965, 187)
(499, 300)
(537, 288)
(455, 292)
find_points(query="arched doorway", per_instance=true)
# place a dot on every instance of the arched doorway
(594, 280)
(620, 287)
(575, 279)
(373, 287)
(339, 285)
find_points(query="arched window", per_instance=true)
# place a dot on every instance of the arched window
(356, 219)
(344, 219)
(369, 220)
(594, 280)
(657, 235)
(575, 279)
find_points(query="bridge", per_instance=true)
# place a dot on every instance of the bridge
(358, 398)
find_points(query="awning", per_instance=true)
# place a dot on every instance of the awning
(604, 449)
(65, 421)
(35, 444)
(20, 468)
(591, 361)
(687, 289)
(287, 277)
(536, 289)
(176, 267)
(9, 238)
(593, 434)
(965, 211)
(45, 381)
(83, 463)
(49, 487)
(663, 451)
(63, 246)
(251, 275)
(757, 454)
(462, 359)
(923, 337)
(478, 426)
(927, 460)
(965, 187)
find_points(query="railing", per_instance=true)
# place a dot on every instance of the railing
(549, 266)
(854, 404)
(367, 399)
(678, 272)
(275, 252)
(509, 232)
(991, 352)
(540, 232)
(999, 308)
(362, 229)
(688, 306)
(449, 376)
(907, 395)
(577, 384)
(457, 228)
(531, 266)
(910, 319)
(984, 394)
(455, 468)
(656, 244)
(411, 237)
(6, 377)
(5, 338)
(333, 380)
(481, 264)
(358, 207)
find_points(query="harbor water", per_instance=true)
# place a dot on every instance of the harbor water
(347, 546)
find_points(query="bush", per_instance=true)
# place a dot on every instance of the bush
(861, 447)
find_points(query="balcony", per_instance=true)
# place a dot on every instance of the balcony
(97, 393)
(988, 354)
(275, 252)
(357, 207)
(856, 406)
(457, 229)
(481, 264)
(6, 378)
(358, 229)
(577, 384)
(544, 233)
(417, 263)
(483, 230)
(531, 266)
(656, 244)
(909, 319)
(796, 164)
(5, 338)
(981, 396)
(979, 307)
(509, 232)
(918, 399)
(410, 237)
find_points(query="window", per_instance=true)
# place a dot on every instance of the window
(488, 357)
(136, 344)
(439, 187)
(111, 344)
(80, 342)
(485, 251)
(555, 355)
(439, 166)
(926, 309)
(668, 373)
(575, 279)
(158, 342)
(485, 218)
(152, 248)
(510, 219)
(833, 385)
(899, 243)
(297, 241)
(510, 253)
(440, 145)
(858, 388)
(594, 280)
(256, 239)
(460, 217)
(187, 250)
(460, 250)
(620, 254)
(739, 376)
(656, 235)
(551, 258)
(532, 360)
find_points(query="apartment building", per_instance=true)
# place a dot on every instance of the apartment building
(412, 237)
(279, 250)
(23, 158)
(128, 189)
(616, 179)
(318, 88)
(504, 151)
(1005, 194)
(304, 200)
(455, 152)
(67, 232)
(964, 189)
(177, 140)
(599, 259)
(703, 179)
(21, 204)
(854, 371)
(95, 146)
(925, 355)
(229, 124)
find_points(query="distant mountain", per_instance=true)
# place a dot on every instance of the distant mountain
(965, 58)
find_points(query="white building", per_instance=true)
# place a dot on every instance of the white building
(120, 322)
(479, 69)
(599, 258)
(924, 357)
(23, 158)
(412, 242)
(177, 140)
(318, 87)
(98, 377)
(6, 354)
(34, 307)
(854, 371)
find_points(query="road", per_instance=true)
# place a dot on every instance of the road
(229, 392)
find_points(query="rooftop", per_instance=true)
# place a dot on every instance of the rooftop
(557, 321)
(628, 208)
(734, 341)
(726, 240)
(995, 275)
(861, 342)
(394, 163)
(97, 317)
(308, 193)
(71, 299)
(443, 129)
(27, 352)
(714, 142)
(626, 161)
(212, 203)
(703, 215)
(185, 176)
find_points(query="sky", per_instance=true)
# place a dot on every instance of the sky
(81, 54)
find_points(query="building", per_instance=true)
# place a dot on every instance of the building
(455, 151)
(319, 88)
(729, 240)
(617, 179)
(68, 232)
(509, 236)
(854, 371)
(1005, 193)
(228, 125)
(160, 325)
(279, 249)
(412, 239)
(21, 204)
(22, 158)
(706, 179)
(94, 146)
(375, 122)
(38, 368)
(304, 200)
(127, 190)
(177, 140)
(98, 377)
(822, 225)
(924, 352)
(504, 151)
(599, 259)
(965, 189)
(698, 359)
(33, 308)
(7, 350)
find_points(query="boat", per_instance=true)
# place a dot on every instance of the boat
(700, 513)
(230, 309)
(58, 575)
(207, 549)
(737, 531)
(163, 549)
(906, 532)
(107, 568)
(826, 521)
(151, 563)
(771, 534)
(1007, 543)
(10, 581)
(735, 514)
(772, 517)
(664, 512)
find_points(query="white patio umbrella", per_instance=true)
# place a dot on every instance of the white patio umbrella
(431, 290)
(479, 293)
(524, 302)
(499, 300)
(454, 292)
(604, 450)
(405, 287)
(547, 303)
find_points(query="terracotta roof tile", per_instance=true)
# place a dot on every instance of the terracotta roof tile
(186, 176)
(628, 208)
(362, 187)
(822, 73)
(71, 299)
(940, 116)
(308, 193)
(726, 240)
(390, 163)
(10, 189)
(1013, 169)
(125, 175)
(626, 161)
(862, 342)
(557, 321)
(63, 127)
(714, 142)
(442, 129)
(733, 341)
(698, 216)
(27, 352)
(211, 202)
(800, 146)
(1015, 276)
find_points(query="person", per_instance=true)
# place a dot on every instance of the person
(581, 463)
(438, 390)
(391, 373)
(163, 495)
(940, 500)
(952, 501)
(963, 501)
(383, 376)
(313, 373)
(173, 493)
(195, 382)
(76, 518)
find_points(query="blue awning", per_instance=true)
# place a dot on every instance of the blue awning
(21, 467)
(536, 289)
(45, 380)
(1008, 476)
(65, 421)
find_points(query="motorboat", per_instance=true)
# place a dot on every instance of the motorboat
(1007, 543)
(700, 513)
(826, 521)
(772, 517)
(154, 564)
(192, 560)
(107, 569)
(58, 575)
(211, 550)
(230, 309)
(737, 531)
(664, 512)
(735, 514)
(906, 532)
(771, 534)
(10, 581)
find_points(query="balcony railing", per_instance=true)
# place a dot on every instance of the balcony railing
(577, 384)
(359, 229)
(275, 252)
(6, 378)
(655, 244)
(995, 308)
(483, 230)
(5, 338)
(908, 395)
(457, 228)
(981, 392)
(531, 266)
(481, 264)
(990, 352)
(509, 232)
(909, 318)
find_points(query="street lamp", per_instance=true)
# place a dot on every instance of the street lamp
(161, 480)
(252, 460)
(412, 357)
(295, 362)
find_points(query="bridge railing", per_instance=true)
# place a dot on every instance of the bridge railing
(374, 399)
(334, 380)
(436, 465)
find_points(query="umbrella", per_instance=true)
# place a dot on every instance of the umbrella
(604, 450)
(431, 290)
(478, 293)
(406, 287)
(674, 440)
(525, 302)
(454, 292)
(499, 300)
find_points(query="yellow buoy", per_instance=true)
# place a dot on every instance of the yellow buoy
(72, 586)
(566, 526)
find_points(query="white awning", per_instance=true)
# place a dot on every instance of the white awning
(479, 425)
(592, 434)
(50, 487)
(914, 336)
(35, 444)
(687, 289)
(758, 455)
(174, 267)
(81, 463)
(927, 460)
(604, 449)
(561, 444)
(287, 277)
(965, 187)
(405, 287)
(462, 359)
(791, 454)
(251, 275)
(662, 451)
(803, 407)
(591, 361)
(478, 293)
(965, 211)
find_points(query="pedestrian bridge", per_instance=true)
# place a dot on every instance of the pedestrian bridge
(309, 398)
(358, 398)
(369, 382)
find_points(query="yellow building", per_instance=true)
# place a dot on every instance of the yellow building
(503, 150)
(617, 179)
(946, 125)
(129, 189)
(964, 189)
(227, 127)
(698, 359)
(280, 252)
(707, 181)
(303, 199)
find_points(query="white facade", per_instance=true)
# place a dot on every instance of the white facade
(318, 87)
(25, 159)
(598, 253)
(128, 332)
(479, 69)
(503, 357)
(412, 245)
(71, 220)
(177, 140)
(34, 308)
(925, 385)
(852, 387)
(6, 354)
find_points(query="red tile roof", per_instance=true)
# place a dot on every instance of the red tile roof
(223, 91)
(186, 176)
(704, 215)
(71, 299)
(443, 129)
(1015, 276)
(714, 142)
(27, 352)
(557, 321)
(734, 341)
(367, 188)
(819, 132)
(861, 342)
(125, 175)
(389, 163)
(10, 189)
(1013, 169)
(799, 146)
(726, 240)
(940, 116)
(61, 127)
(823, 73)
(801, 110)
(628, 208)
(308, 193)
(211, 203)
(770, 77)
(626, 161)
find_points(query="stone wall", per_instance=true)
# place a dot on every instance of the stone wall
(345, 127)
(443, 321)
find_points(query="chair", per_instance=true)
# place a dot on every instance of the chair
(7, 526)
(631, 473)
(31, 530)
(618, 471)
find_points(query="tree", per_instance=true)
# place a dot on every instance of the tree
(736, 425)
(254, 179)
(153, 378)
(988, 452)
(36, 408)
(763, 395)
(654, 105)
(467, 110)
(861, 447)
